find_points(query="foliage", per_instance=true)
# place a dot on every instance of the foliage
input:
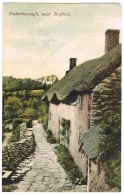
(67, 162)
(22, 93)
(18, 107)
(110, 146)
(36, 93)
(16, 122)
(11, 84)
(22, 99)
(49, 80)
(14, 84)
(44, 120)
(65, 123)
(65, 129)
(43, 112)
(50, 137)
(15, 135)
(12, 108)
(29, 113)
(22, 103)
(6, 122)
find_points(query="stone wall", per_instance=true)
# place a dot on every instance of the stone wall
(105, 95)
(15, 152)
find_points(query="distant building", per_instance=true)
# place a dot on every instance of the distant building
(78, 101)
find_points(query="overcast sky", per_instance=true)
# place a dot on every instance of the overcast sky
(36, 46)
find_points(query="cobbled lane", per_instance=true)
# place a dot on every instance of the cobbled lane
(46, 174)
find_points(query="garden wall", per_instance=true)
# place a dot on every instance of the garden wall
(16, 152)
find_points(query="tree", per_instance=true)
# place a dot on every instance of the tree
(14, 84)
(12, 108)
(48, 80)
(29, 113)
(54, 79)
(110, 146)
(43, 80)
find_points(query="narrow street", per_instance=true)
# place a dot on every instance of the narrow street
(46, 174)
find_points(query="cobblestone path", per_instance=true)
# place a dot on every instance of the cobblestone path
(46, 174)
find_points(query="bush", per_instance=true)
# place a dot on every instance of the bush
(43, 119)
(29, 113)
(50, 137)
(16, 122)
(7, 121)
(65, 159)
(15, 135)
(43, 110)
(5, 128)
(40, 119)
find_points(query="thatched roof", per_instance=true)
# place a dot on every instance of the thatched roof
(85, 77)
(90, 142)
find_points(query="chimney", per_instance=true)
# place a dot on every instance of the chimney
(72, 63)
(111, 39)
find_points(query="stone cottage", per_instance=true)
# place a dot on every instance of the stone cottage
(78, 101)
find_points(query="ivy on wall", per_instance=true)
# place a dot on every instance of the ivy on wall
(110, 146)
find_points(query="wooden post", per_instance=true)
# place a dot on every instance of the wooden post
(88, 172)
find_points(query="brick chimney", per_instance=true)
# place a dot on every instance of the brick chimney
(72, 64)
(111, 39)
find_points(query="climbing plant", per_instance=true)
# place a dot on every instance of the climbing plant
(110, 146)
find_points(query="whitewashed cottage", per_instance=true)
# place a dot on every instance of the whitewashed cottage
(78, 101)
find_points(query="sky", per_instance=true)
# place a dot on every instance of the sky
(37, 45)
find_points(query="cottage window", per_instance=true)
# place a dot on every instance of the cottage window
(65, 132)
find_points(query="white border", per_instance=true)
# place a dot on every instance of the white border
(61, 1)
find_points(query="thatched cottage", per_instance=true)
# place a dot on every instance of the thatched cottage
(78, 101)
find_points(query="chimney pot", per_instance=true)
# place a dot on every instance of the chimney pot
(111, 39)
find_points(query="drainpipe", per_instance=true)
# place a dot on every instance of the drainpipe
(88, 173)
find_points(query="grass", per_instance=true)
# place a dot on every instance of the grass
(36, 93)
(65, 159)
